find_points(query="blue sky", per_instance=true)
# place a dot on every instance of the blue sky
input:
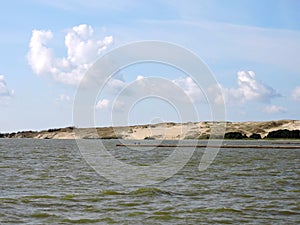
(252, 48)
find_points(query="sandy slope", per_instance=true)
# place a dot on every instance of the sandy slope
(170, 131)
(202, 129)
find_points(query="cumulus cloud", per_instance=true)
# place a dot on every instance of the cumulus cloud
(5, 93)
(82, 50)
(296, 94)
(142, 84)
(40, 57)
(271, 109)
(114, 85)
(102, 104)
(249, 88)
(190, 88)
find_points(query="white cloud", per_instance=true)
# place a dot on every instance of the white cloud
(270, 109)
(102, 104)
(144, 85)
(5, 93)
(139, 77)
(82, 50)
(114, 85)
(190, 88)
(296, 94)
(180, 90)
(249, 88)
(40, 58)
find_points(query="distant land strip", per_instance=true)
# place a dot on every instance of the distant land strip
(209, 146)
(280, 129)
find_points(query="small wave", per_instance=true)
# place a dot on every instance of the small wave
(145, 191)
(39, 196)
(150, 192)
(288, 212)
(215, 210)
(9, 200)
(165, 217)
(129, 204)
(85, 220)
(68, 197)
(136, 214)
(111, 192)
(231, 210)
(40, 215)
(91, 208)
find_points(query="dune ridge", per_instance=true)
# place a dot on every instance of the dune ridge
(167, 131)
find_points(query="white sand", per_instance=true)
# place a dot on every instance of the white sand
(169, 131)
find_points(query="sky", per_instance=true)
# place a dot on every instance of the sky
(47, 46)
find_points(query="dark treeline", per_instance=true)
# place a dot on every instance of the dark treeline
(279, 134)
(284, 134)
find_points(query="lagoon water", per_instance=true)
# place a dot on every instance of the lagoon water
(49, 182)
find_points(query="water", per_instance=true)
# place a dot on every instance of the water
(48, 182)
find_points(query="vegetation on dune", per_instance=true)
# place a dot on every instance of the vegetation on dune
(283, 129)
(255, 136)
(235, 135)
(284, 134)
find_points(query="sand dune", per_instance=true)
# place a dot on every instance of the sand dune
(168, 131)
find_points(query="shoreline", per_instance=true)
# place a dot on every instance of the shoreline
(265, 130)
(209, 146)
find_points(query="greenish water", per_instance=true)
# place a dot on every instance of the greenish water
(48, 182)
